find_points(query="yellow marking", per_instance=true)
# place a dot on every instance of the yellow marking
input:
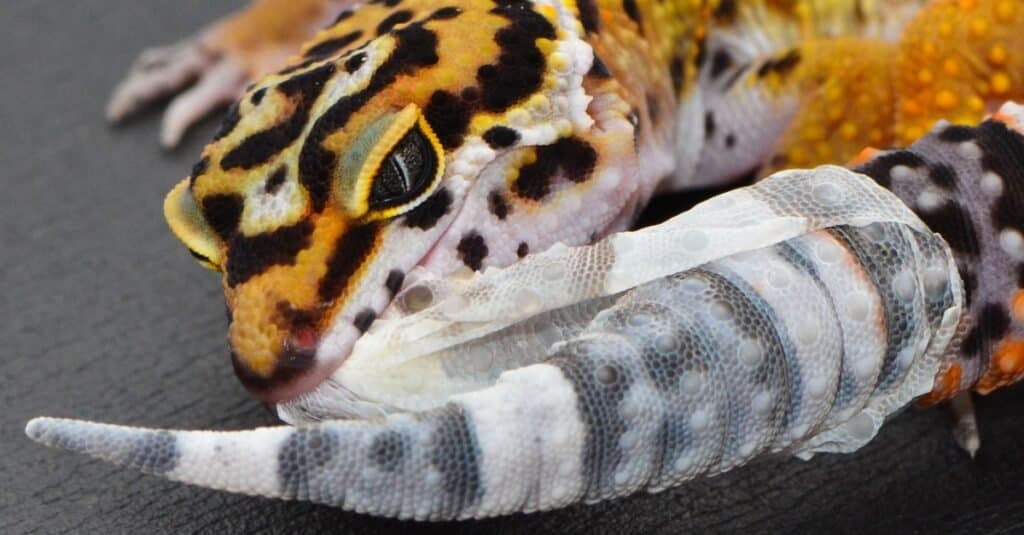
(188, 225)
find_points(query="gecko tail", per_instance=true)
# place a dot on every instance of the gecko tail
(232, 461)
(478, 455)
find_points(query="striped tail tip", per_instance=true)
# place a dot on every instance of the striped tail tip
(152, 451)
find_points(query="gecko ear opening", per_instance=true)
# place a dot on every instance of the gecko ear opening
(188, 224)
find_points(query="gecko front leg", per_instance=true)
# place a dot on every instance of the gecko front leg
(221, 59)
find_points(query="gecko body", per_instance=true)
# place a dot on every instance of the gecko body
(415, 165)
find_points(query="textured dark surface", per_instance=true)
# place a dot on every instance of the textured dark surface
(104, 316)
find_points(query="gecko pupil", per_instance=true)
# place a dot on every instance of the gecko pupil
(405, 173)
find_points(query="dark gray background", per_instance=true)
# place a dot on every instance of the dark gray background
(104, 316)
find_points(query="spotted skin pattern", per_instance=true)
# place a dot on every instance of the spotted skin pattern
(385, 151)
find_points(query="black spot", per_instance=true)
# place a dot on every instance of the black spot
(249, 256)
(880, 168)
(392, 3)
(301, 459)
(520, 68)
(153, 452)
(943, 176)
(331, 46)
(223, 212)
(389, 449)
(499, 137)
(994, 320)
(677, 70)
(416, 47)
(455, 454)
(392, 20)
(574, 156)
(956, 134)
(449, 116)
(730, 140)
(590, 18)
(709, 125)
(343, 15)
(470, 94)
(522, 250)
(199, 168)
(426, 215)
(972, 343)
(364, 319)
(726, 11)
(257, 96)
(632, 11)
(955, 226)
(498, 205)
(780, 65)
(1003, 154)
(353, 63)
(721, 61)
(446, 13)
(598, 69)
(350, 253)
(394, 281)
(260, 147)
(231, 119)
(276, 180)
(472, 250)
(1020, 275)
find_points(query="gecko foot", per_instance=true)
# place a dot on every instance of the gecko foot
(163, 71)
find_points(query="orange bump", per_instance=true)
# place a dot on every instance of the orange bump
(978, 28)
(1004, 10)
(863, 156)
(951, 67)
(1017, 305)
(1000, 83)
(947, 385)
(945, 100)
(1006, 367)
(997, 55)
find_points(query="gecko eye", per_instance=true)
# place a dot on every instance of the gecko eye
(407, 171)
(391, 167)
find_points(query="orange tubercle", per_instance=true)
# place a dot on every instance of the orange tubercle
(1007, 366)
(866, 154)
(947, 385)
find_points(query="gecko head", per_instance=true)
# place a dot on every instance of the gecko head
(331, 180)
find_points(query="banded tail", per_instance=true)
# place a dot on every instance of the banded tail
(687, 374)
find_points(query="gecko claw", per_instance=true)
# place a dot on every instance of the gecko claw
(965, 423)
